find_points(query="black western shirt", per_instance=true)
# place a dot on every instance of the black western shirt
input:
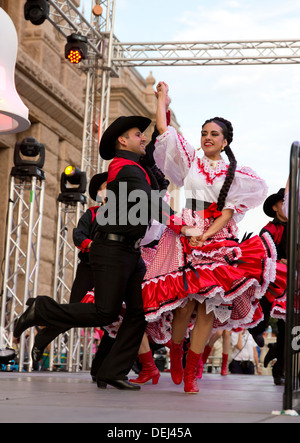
(133, 199)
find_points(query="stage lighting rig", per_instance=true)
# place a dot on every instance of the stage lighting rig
(29, 158)
(37, 11)
(76, 49)
(73, 183)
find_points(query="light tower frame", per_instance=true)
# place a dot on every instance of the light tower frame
(22, 257)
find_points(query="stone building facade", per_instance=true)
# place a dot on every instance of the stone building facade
(54, 92)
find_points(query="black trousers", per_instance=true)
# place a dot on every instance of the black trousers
(241, 367)
(262, 326)
(118, 272)
(83, 282)
(279, 366)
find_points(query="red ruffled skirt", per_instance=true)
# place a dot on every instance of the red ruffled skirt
(229, 276)
(276, 293)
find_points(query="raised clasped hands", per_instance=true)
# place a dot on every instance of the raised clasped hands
(162, 90)
(162, 87)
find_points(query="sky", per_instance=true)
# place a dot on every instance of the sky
(261, 101)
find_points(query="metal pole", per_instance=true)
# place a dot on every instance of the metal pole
(4, 338)
(27, 268)
(40, 205)
(15, 236)
(291, 273)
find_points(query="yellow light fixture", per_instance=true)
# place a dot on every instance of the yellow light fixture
(70, 170)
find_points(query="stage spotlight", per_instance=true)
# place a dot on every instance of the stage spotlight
(76, 49)
(73, 175)
(37, 11)
(71, 170)
(72, 185)
(29, 158)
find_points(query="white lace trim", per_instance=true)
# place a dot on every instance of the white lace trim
(278, 312)
(221, 251)
(270, 264)
(234, 324)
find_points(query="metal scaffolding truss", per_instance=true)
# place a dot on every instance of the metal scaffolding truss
(99, 69)
(66, 18)
(22, 258)
(206, 53)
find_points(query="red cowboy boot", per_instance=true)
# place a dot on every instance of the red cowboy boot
(199, 371)
(190, 370)
(206, 352)
(149, 370)
(176, 368)
(224, 364)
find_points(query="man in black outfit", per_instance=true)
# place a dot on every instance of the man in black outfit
(82, 234)
(84, 282)
(277, 228)
(115, 257)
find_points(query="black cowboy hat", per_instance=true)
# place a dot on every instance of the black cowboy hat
(95, 183)
(117, 128)
(270, 201)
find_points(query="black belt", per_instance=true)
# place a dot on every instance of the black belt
(119, 238)
(196, 205)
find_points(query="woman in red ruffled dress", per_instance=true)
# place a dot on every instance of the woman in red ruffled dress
(212, 281)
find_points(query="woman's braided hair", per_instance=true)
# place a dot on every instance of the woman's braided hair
(227, 131)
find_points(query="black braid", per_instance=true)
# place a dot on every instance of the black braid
(227, 131)
(229, 178)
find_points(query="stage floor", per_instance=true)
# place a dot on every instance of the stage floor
(57, 397)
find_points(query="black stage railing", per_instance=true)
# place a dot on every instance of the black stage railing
(291, 397)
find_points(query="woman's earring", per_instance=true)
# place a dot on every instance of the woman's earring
(199, 149)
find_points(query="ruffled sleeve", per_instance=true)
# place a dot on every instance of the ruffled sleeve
(173, 155)
(246, 192)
